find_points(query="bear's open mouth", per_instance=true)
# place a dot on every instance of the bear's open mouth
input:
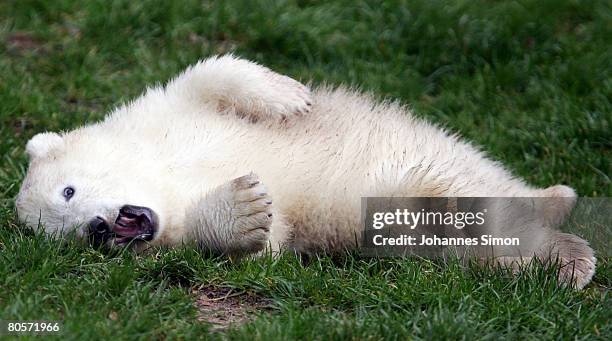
(134, 223)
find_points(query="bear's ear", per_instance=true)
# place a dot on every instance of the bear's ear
(42, 144)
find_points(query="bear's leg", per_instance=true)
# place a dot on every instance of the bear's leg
(574, 256)
(571, 254)
(233, 219)
(246, 88)
(558, 205)
(539, 238)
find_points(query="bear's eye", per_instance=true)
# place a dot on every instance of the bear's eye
(68, 193)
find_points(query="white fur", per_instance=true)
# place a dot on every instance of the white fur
(177, 149)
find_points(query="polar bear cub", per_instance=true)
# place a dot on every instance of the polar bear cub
(201, 158)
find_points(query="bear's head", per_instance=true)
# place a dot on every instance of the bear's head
(94, 190)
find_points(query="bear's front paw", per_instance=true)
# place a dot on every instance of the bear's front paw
(287, 97)
(251, 214)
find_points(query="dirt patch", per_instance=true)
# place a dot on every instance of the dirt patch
(227, 307)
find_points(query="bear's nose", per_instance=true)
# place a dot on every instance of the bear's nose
(99, 232)
(98, 225)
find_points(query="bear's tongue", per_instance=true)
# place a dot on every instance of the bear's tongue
(127, 227)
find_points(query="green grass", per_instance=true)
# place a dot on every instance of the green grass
(529, 81)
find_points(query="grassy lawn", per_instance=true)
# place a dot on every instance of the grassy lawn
(530, 81)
